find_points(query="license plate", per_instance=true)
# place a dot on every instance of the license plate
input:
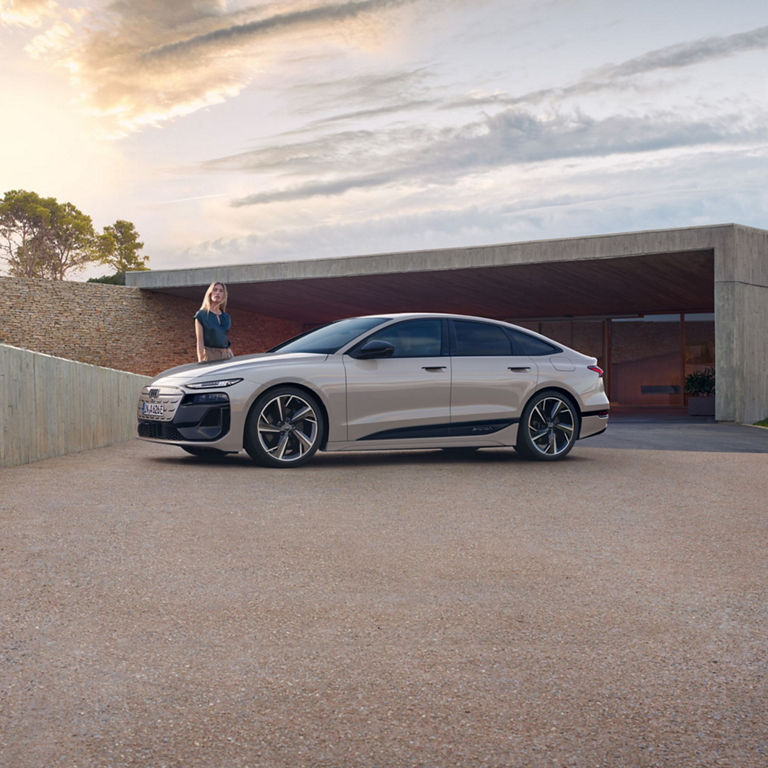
(152, 409)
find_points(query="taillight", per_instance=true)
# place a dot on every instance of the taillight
(597, 369)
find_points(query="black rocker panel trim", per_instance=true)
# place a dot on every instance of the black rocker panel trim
(463, 429)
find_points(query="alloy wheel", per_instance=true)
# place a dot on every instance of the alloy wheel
(287, 428)
(552, 426)
(549, 426)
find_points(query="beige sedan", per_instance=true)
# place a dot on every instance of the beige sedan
(384, 382)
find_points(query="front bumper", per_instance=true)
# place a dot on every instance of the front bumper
(169, 414)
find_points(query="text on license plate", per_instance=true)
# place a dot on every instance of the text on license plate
(152, 409)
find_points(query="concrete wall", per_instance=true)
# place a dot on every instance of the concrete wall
(50, 406)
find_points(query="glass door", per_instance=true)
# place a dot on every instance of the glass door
(646, 361)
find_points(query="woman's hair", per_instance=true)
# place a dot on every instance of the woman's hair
(207, 299)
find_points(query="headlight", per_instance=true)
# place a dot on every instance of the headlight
(215, 384)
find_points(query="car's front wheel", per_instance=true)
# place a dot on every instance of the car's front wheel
(548, 428)
(284, 428)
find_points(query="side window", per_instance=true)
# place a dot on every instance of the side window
(480, 339)
(413, 338)
(524, 344)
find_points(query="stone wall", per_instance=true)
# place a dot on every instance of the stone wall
(118, 327)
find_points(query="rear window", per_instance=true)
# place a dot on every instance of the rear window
(525, 344)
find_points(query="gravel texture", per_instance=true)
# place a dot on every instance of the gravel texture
(385, 610)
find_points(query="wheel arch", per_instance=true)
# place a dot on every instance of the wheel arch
(296, 385)
(562, 391)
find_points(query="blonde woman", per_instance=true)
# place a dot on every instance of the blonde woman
(212, 325)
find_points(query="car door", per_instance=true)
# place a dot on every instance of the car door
(406, 394)
(488, 382)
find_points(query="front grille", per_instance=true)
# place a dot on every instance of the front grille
(192, 422)
(159, 430)
(165, 399)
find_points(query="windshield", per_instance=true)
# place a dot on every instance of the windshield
(329, 338)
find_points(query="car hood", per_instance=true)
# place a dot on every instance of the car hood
(235, 366)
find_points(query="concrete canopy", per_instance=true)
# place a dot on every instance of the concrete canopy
(721, 268)
(641, 273)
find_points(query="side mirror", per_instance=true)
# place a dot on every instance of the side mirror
(373, 349)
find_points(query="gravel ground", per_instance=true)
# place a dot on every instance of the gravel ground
(385, 610)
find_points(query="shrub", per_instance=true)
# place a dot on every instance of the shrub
(700, 382)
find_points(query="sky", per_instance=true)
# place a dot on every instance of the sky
(241, 132)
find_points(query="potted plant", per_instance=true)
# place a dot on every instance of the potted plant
(700, 386)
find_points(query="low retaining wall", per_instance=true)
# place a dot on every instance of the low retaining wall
(50, 406)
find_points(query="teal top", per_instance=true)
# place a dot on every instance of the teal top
(215, 328)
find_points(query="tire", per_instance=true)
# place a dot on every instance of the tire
(284, 428)
(548, 427)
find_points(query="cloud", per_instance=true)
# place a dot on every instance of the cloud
(140, 62)
(512, 138)
(53, 39)
(410, 155)
(688, 54)
(231, 35)
(313, 155)
(389, 109)
(519, 137)
(26, 13)
(387, 90)
(315, 190)
(617, 197)
(611, 76)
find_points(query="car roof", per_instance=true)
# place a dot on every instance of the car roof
(447, 315)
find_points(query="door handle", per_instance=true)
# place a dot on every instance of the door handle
(433, 367)
(519, 369)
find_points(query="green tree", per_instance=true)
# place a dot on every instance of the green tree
(119, 248)
(42, 238)
(24, 219)
(70, 239)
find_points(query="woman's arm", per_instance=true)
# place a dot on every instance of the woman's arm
(199, 340)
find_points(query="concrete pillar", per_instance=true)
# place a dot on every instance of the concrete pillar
(741, 325)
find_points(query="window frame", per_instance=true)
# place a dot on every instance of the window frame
(455, 340)
(444, 341)
(513, 333)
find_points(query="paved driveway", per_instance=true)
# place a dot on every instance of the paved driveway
(385, 610)
(682, 433)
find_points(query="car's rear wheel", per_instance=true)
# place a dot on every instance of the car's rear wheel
(284, 428)
(548, 428)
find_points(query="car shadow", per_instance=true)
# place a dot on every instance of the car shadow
(416, 457)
